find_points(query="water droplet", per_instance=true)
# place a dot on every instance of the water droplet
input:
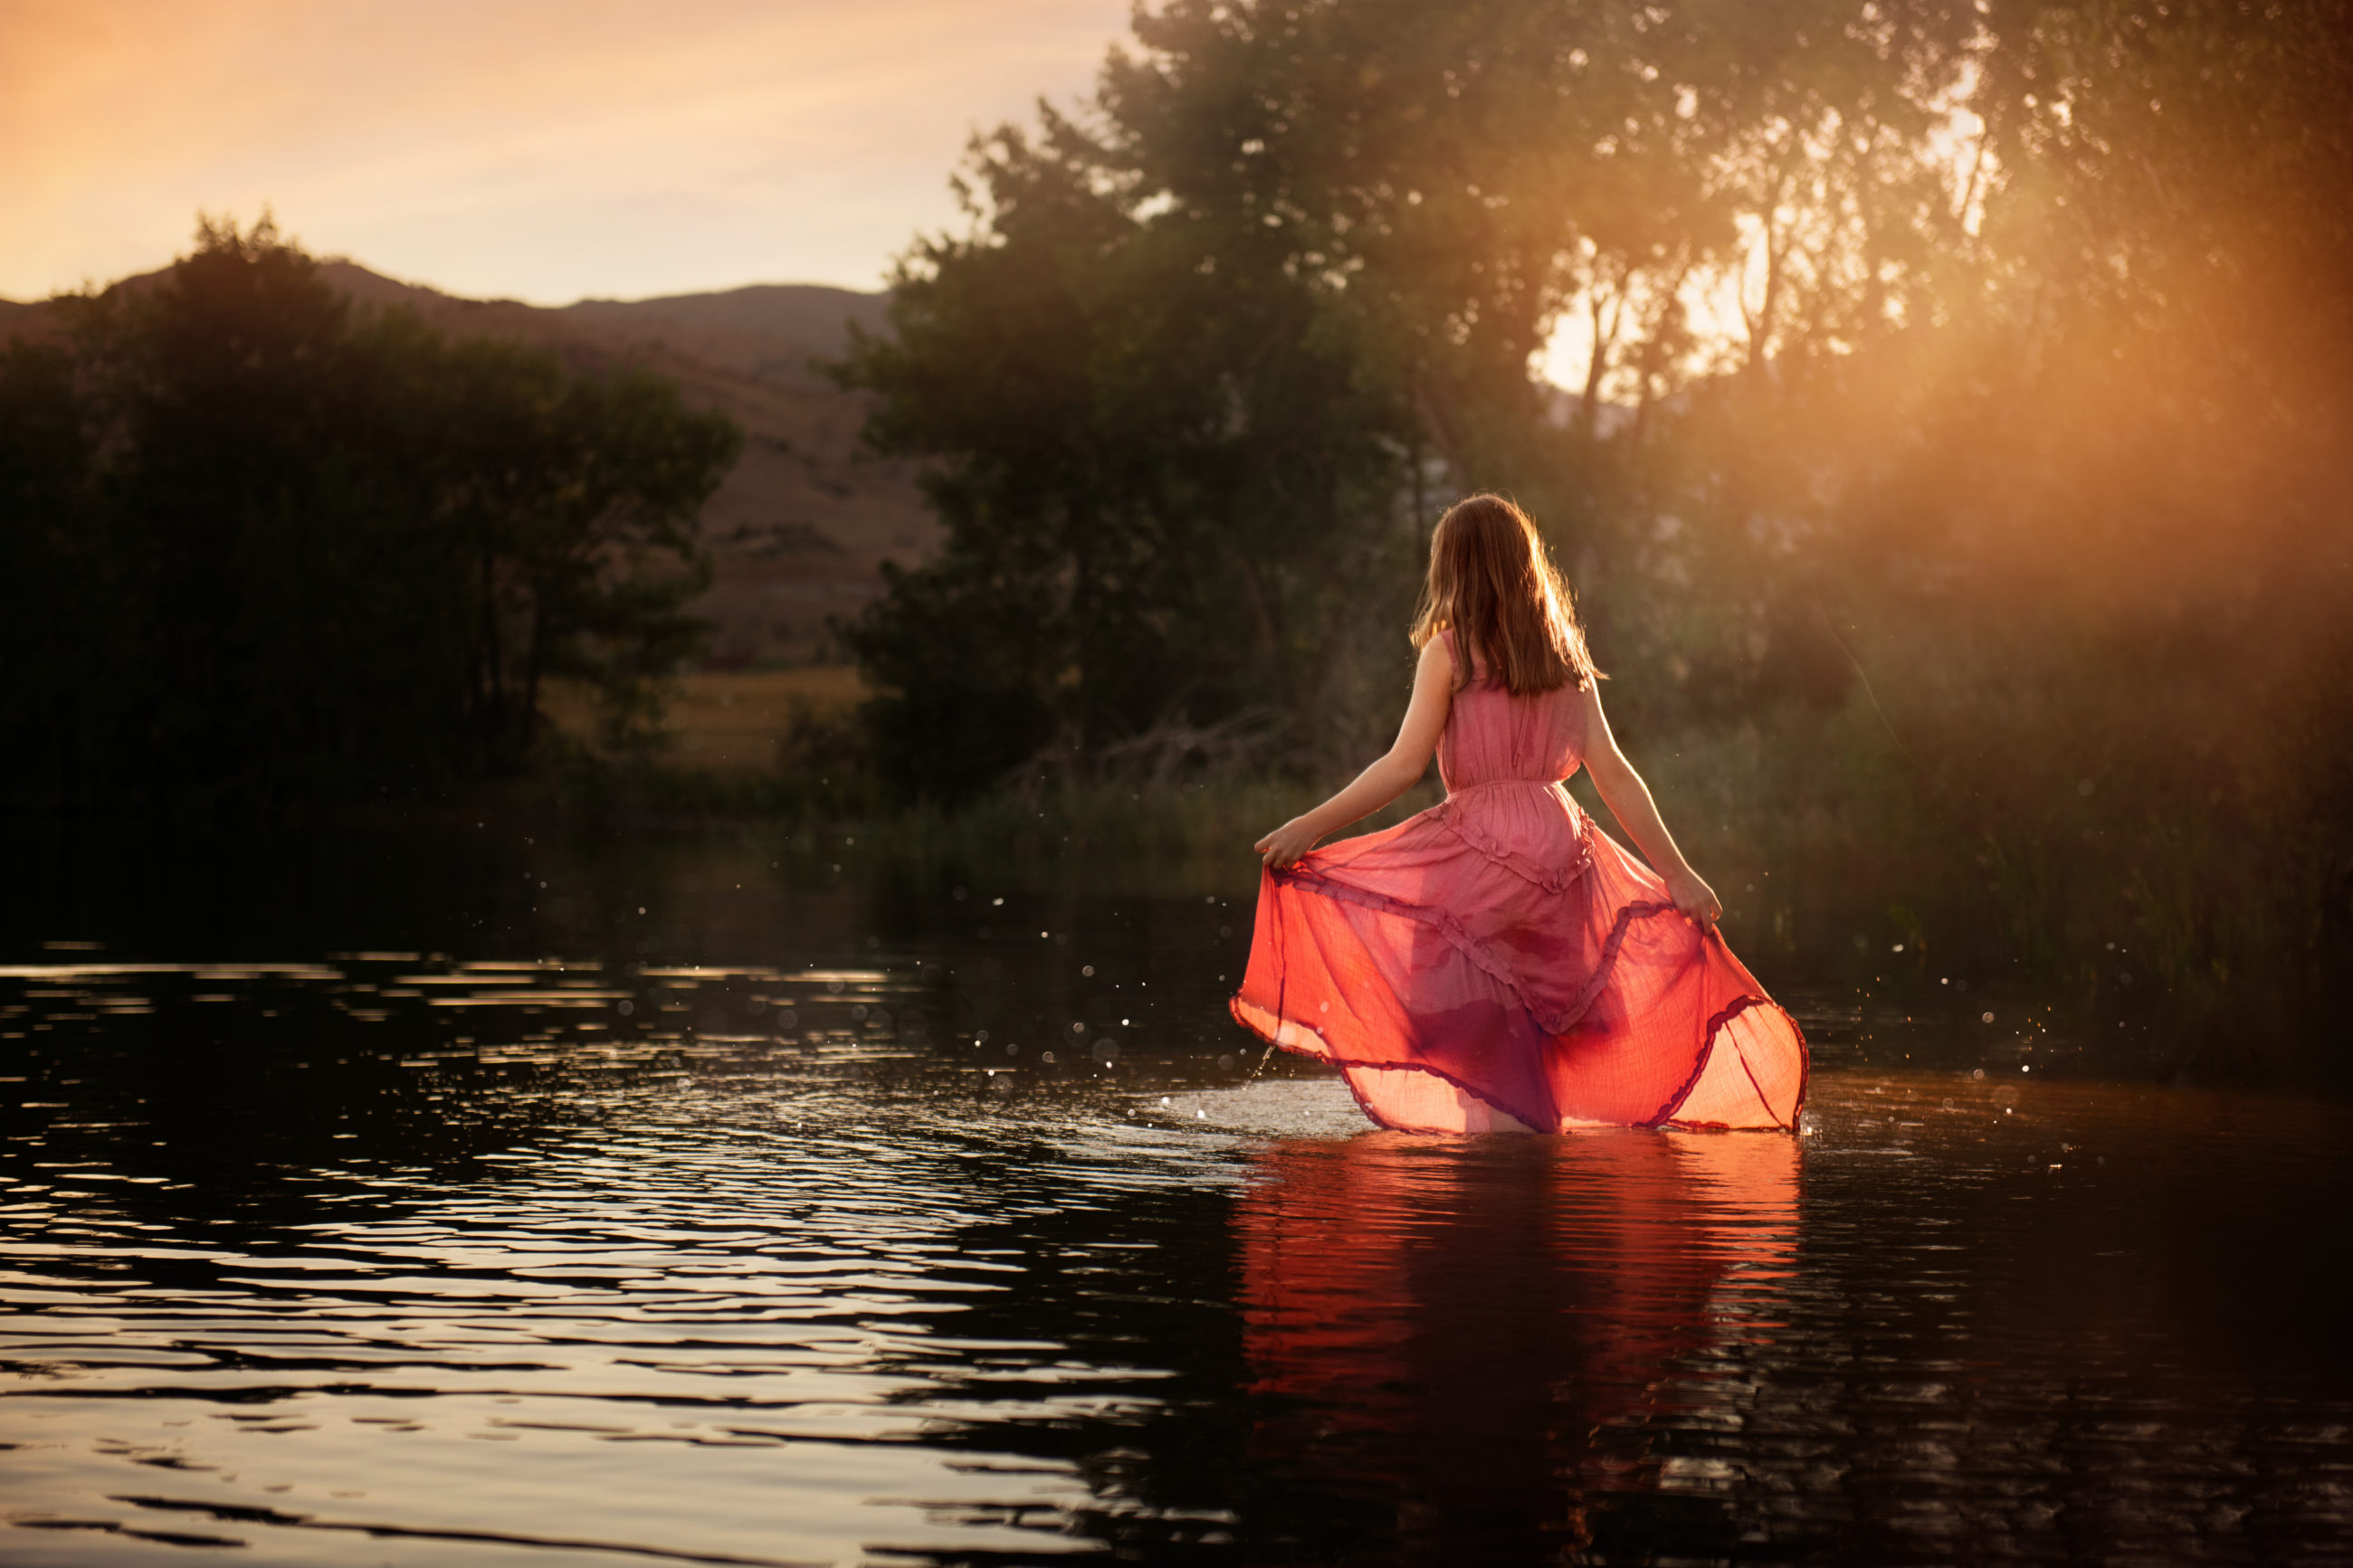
(1046, 1056)
(1985, 1017)
(1088, 971)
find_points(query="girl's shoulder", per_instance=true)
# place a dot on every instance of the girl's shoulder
(1436, 656)
(1461, 662)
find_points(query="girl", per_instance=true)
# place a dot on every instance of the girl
(1497, 961)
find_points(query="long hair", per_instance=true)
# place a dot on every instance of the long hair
(1493, 584)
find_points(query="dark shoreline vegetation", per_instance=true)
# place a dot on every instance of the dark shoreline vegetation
(267, 548)
(1832, 883)
(1981, 574)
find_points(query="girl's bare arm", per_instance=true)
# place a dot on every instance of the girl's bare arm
(1629, 799)
(1391, 776)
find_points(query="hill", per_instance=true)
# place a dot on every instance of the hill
(799, 531)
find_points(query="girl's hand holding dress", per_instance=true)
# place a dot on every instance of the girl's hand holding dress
(1406, 760)
(1629, 799)
(1694, 899)
(1287, 843)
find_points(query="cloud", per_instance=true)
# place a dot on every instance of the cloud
(542, 149)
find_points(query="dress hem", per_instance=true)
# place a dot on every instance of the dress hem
(1662, 1118)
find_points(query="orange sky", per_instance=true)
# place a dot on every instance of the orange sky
(544, 149)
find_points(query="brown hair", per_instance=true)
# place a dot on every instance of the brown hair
(1493, 584)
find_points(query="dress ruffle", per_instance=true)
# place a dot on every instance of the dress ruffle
(1465, 825)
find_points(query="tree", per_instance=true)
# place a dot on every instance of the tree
(2000, 348)
(1190, 385)
(61, 625)
(300, 552)
(1147, 459)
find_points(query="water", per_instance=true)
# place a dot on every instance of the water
(373, 1203)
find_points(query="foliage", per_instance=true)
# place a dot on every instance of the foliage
(1193, 380)
(272, 550)
(1153, 464)
(1975, 372)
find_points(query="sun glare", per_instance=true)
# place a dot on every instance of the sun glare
(1725, 303)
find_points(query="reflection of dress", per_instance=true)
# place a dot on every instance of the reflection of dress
(1482, 1353)
(1499, 962)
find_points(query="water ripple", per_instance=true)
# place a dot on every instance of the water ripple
(394, 1256)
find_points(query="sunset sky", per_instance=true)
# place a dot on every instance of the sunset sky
(543, 150)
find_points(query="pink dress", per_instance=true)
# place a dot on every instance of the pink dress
(1497, 961)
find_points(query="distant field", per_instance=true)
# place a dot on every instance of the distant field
(731, 721)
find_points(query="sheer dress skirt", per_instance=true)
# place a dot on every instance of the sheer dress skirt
(1499, 963)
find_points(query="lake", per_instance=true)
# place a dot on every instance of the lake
(457, 1198)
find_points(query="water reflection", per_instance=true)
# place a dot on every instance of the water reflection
(679, 1287)
(1469, 1341)
(330, 1233)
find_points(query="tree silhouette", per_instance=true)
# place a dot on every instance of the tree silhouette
(285, 551)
